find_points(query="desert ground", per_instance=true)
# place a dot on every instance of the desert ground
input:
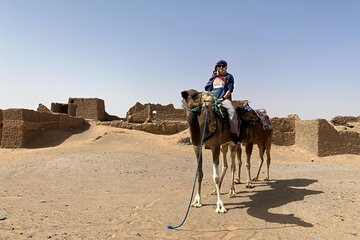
(112, 183)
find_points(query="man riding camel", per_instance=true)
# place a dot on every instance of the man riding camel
(221, 85)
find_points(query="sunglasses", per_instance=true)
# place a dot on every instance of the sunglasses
(221, 66)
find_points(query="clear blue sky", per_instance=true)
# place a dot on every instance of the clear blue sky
(287, 56)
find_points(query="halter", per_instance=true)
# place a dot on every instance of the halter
(197, 109)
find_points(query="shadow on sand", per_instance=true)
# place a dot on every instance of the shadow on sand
(52, 138)
(281, 193)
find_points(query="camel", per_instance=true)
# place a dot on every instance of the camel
(255, 133)
(198, 105)
(251, 132)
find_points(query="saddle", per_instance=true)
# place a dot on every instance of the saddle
(259, 114)
(264, 118)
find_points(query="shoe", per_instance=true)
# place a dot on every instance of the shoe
(234, 138)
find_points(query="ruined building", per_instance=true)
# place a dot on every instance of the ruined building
(153, 118)
(88, 108)
(18, 127)
(320, 137)
(140, 113)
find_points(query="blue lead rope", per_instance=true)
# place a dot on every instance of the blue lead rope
(192, 193)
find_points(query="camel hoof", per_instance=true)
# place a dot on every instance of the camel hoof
(237, 181)
(249, 186)
(197, 205)
(232, 193)
(221, 210)
(255, 179)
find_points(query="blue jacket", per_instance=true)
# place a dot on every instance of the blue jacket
(219, 93)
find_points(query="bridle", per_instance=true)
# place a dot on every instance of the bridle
(197, 110)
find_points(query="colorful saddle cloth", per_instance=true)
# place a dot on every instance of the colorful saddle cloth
(264, 118)
(261, 113)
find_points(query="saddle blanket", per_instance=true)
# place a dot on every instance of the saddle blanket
(264, 118)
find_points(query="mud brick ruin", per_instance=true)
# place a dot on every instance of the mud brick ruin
(88, 108)
(20, 126)
(320, 137)
(154, 112)
(153, 118)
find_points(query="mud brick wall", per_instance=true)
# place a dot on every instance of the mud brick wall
(169, 112)
(67, 122)
(59, 108)
(89, 108)
(283, 131)
(165, 128)
(332, 142)
(72, 109)
(140, 113)
(345, 119)
(1, 124)
(306, 135)
(20, 126)
(322, 139)
(351, 142)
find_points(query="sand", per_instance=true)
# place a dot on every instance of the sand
(111, 183)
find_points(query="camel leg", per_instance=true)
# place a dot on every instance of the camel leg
(197, 201)
(219, 205)
(239, 163)
(268, 161)
(233, 150)
(261, 153)
(224, 150)
(248, 149)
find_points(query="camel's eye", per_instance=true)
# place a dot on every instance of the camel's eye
(194, 96)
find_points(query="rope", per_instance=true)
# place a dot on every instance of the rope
(194, 109)
(192, 193)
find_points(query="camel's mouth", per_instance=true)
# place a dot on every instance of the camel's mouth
(207, 99)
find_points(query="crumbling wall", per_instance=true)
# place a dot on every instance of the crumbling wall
(140, 113)
(344, 119)
(67, 122)
(332, 142)
(72, 109)
(320, 138)
(89, 108)
(20, 126)
(283, 131)
(43, 108)
(59, 108)
(306, 135)
(169, 112)
(162, 127)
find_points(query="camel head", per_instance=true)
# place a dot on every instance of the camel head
(195, 103)
(246, 114)
(207, 99)
(191, 99)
